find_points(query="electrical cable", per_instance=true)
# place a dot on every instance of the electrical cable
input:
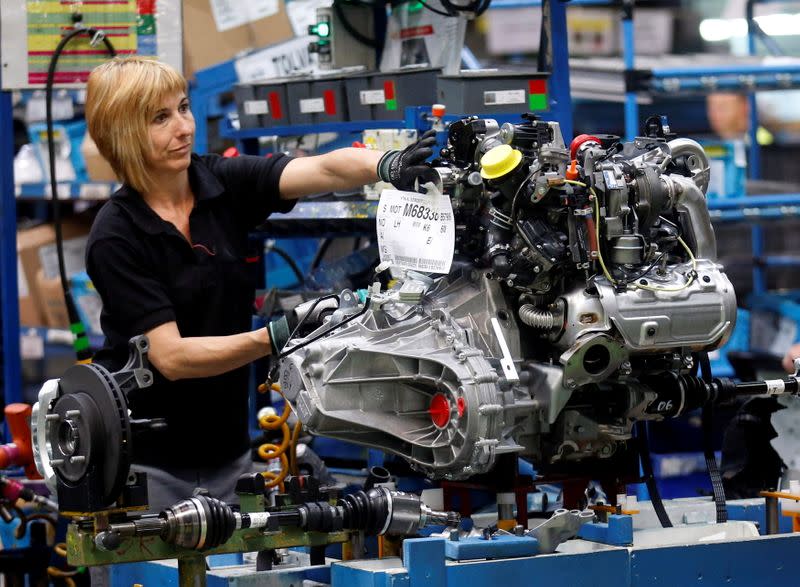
(436, 10)
(363, 39)
(630, 279)
(543, 61)
(708, 445)
(643, 439)
(80, 339)
(289, 261)
(477, 7)
(305, 343)
(309, 313)
(607, 274)
(516, 194)
(320, 254)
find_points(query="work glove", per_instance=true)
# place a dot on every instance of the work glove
(403, 168)
(278, 335)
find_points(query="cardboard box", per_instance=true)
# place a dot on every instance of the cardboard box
(97, 167)
(29, 314)
(52, 298)
(207, 40)
(29, 244)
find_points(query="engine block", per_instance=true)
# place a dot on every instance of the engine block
(584, 279)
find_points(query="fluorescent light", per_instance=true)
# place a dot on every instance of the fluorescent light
(722, 29)
(774, 25)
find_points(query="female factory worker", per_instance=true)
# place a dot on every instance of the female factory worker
(169, 256)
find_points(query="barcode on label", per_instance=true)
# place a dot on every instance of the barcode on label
(432, 264)
(404, 259)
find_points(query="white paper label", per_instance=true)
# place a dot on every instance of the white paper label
(372, 97)
(257, 9)
(31, 345)
(775, 386)
(254, 107)
(228, 14)
(258, 519)
(495, 98)
(416, 231)
(312, 105)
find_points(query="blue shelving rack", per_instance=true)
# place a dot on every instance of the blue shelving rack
(12, 377)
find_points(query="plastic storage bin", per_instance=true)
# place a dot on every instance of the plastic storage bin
(385, 95)
(316, 100)
(494, 92)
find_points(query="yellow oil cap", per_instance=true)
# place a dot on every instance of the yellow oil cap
(499, 161)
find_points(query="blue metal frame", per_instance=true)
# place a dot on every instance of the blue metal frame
(304, 129)
(559, 90)
(96, 190)
(756, 232)
(12, 377)
(763, 561)
(629, 55)
(208, 85)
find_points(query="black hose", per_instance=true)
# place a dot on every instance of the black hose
(291, 262)
(476, 6)
(361, 38)
(80, 341)
(320, 254)
(649, 476)
(708, 447)
(436, 10)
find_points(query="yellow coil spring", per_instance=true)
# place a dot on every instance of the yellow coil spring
(269, 451)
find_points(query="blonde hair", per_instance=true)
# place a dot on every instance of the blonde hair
(122, 96)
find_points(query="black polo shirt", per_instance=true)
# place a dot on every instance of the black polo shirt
(148, 274)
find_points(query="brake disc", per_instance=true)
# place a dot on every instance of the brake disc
(89, 433)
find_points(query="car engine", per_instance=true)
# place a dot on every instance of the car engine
(583, 286)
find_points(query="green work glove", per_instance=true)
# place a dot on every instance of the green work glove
(278, 334)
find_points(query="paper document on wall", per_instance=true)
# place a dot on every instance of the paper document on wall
(229, 14)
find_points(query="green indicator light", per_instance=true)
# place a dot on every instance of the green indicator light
(323, 29)
(391, 104)
(414, 6)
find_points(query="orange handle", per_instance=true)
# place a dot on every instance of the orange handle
(18, 418)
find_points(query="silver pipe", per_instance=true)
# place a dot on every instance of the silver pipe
(690, 202)
(696, 160)
(536, 318)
